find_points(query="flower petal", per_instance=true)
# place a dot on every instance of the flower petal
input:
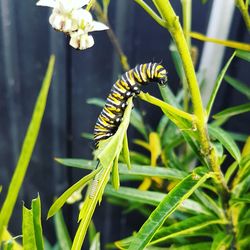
(47, 3)
(98, 26)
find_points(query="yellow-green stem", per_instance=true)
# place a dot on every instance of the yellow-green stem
(174, 27)
(244, 12)
(187, 18)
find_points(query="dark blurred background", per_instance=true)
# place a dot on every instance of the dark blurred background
(27, 41)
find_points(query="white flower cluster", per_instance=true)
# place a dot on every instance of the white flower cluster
(69, 17)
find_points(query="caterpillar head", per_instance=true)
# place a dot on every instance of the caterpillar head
(161, 74)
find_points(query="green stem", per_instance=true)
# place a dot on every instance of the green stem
(244, 12)
(151, 12)
(187, 18)
(174, 27)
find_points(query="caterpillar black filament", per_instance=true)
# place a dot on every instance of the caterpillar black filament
(128, 85)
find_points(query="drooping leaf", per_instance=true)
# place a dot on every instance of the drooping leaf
(246, 148)
(62, 233)
(217, 85)
(59, 202)
(167, 206)
(136, 170)
(238, 85)
(27, 149)
(232, 111)
(225, 139)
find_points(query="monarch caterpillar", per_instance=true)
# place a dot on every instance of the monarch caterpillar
(127, 85)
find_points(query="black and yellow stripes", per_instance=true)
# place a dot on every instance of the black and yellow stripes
(128, 85)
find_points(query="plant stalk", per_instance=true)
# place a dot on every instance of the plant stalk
(174, 27)
(244, 12)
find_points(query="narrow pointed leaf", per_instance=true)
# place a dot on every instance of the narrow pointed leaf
(36, 210)
(151, 198)
(62, 233)
(125, 151)
(232, 111)
(186, 227)
(217, 85)
(63, 198)
(225, 139)
(167, 206)
(115, 175)
(238, 85)
(136, 170)
(27, 149)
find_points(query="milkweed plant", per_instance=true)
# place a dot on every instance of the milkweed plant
(192, 185)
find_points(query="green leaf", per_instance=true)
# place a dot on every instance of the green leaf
(177, 63)
(217, 85)
(106, 153)
(136, 170)
(29, 239)
(229, 112)
(231, 170)
(222, 241)
(63, 198)
(96, 101)
(62, 233)
(115, 175)
(36, 210)
(225, 139)
(95, 244)
(8, 245)
(167, 206)
(110, 148)
(194, 246)
(243, 55)
(241, 188)
(189, 226)
(91, 231)
(162, 125)
(27, 149)
(150, 197)
(238, 85)
(137, 122)
(88, 136)
(210, 203)
(125, 151)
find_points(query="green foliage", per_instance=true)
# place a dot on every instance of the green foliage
(27, 150)
(191, 182)
(32, 228)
